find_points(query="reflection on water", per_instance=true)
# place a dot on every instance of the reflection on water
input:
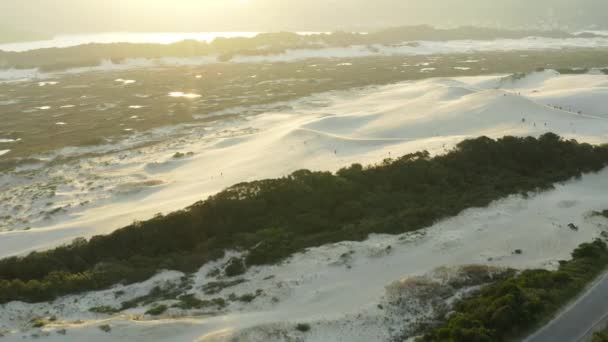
(182, 94)
(43, 84)
(125, 82)
(3, 152)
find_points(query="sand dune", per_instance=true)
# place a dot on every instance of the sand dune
(320, 286)
(362, 126)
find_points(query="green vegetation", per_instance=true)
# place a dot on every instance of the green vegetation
(235, 267)
(274, 218)
(42, 322)
(215, 287)
(303, 327)
(245, 298)
(189, 301)
(603, 213)
(39, 323)
(169, 292)
(157, 310)
(106, 310)
(105, 328)
(601, 336)
(506, 309)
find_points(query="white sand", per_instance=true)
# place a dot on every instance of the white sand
(325, 132)
(339, 296)
(362, 126)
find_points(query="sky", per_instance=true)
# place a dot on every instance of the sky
(74, 16)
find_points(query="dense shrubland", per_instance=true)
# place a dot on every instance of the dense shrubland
(601, 336)
(513, 306)
(274, 218)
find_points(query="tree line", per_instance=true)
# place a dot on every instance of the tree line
(274, 218)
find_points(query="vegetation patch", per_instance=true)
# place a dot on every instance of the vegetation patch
(39, 323)
(105, 328)
(245, 298)
(189, 301)
(156, 294)
(274, 218)
(601, 336)
(106, 310)
(217, 286)
(303, 327)
(157, 310)
(603, 213)
(506, 309)
(235, 267)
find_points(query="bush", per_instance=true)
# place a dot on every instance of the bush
(39, 323)
(105, 328)
(303, 327)
(247, 298)
(504, 310)
(188, 302)
(157, 310)
(601, 336)
(108, 310)
(235, 267)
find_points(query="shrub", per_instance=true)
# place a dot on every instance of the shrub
(247, 298)
(189, 301)
(508, 307)
(104, 310)
(157, 310)
(303, 327)
(105, 328)
(235, 267)
(39, 323)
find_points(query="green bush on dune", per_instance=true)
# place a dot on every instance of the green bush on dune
(510, 307)
(275, 218)
(601, 336)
